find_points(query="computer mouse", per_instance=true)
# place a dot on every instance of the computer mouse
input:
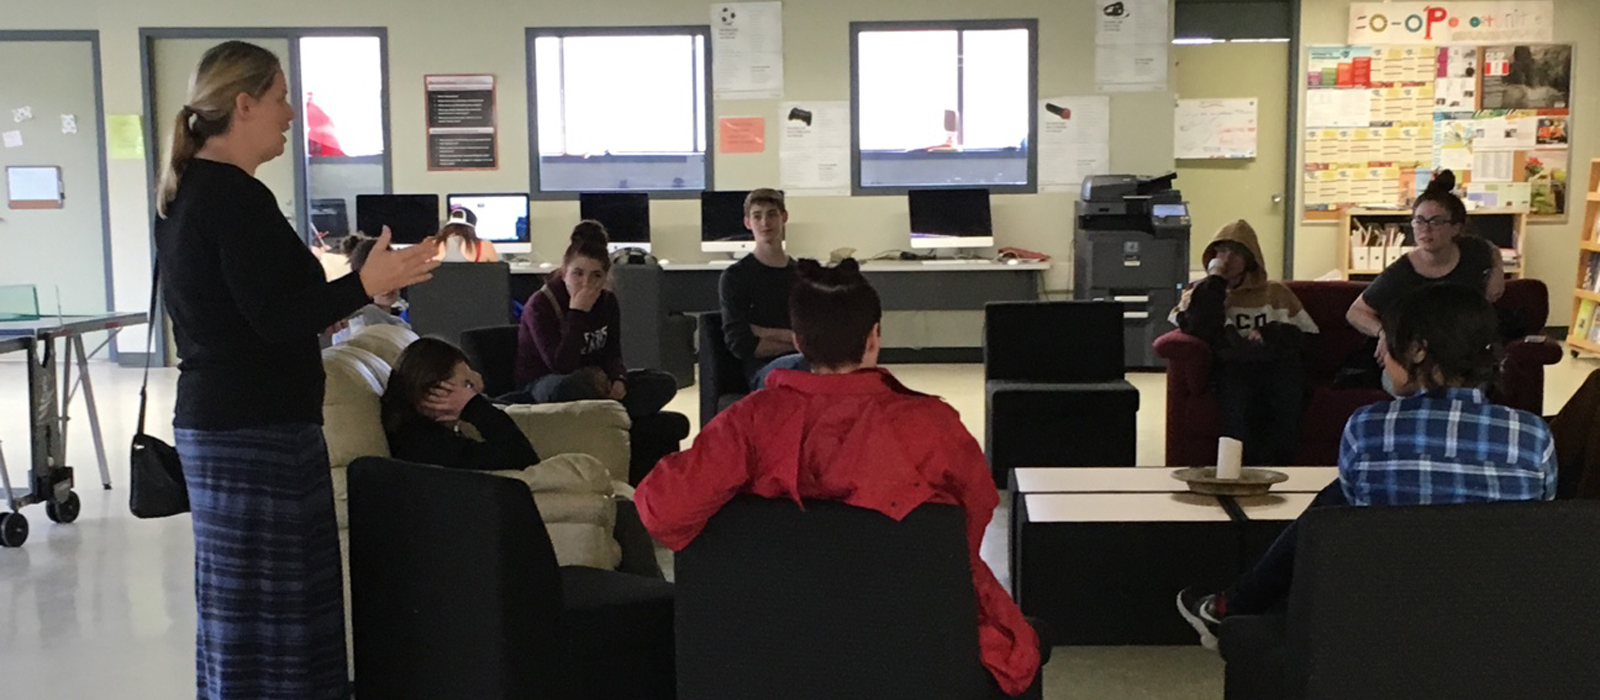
(545, 266)
(1013, 261)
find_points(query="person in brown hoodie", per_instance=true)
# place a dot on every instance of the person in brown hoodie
(1256, 327)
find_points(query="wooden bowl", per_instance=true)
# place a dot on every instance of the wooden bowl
(1251, 482)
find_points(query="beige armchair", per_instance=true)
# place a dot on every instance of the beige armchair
(584, 445)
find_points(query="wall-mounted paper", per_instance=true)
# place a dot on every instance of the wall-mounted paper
(814, 148)
(125, 136)
(33, 184)
(1493, 166)
(747, 40)
(1215, 129)
(1131, 41)
(69, 124)
(12, 139)
(742, 135)
(1074, 141)
(21, 114)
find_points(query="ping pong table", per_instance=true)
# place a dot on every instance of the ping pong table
(49, 405)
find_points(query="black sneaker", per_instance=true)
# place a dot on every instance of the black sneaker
(1199, 610)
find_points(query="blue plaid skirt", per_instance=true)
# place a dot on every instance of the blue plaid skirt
(266, 558)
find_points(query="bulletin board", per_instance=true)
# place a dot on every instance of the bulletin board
(1380, 119)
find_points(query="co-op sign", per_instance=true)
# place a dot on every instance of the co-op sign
(1451, 22)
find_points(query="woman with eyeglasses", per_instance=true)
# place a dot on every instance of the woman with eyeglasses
(1444, 253)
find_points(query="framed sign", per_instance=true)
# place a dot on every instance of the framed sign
(461, 122)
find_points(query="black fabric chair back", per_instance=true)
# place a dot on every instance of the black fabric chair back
(454, 587)
(1475, 601)
(1066, 342)
(722, 377)
(492, 351)
(461, 296)
(829, 602)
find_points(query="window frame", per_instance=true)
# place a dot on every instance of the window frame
(856, 28)
(535, 186)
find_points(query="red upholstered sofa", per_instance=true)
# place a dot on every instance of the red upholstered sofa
(1192, 419)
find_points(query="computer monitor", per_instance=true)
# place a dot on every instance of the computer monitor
(722, 228)
(502, 218)
(950, 218)
(411, 218)
(626, 216)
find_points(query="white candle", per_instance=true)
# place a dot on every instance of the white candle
(1230, 455)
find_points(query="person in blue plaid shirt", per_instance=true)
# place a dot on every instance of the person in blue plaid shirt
(1441, 442)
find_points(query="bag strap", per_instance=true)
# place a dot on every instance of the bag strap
(560, 312)
(149, 342)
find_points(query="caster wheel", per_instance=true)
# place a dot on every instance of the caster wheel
(1574, 354)
(13, 529)
(65, 511)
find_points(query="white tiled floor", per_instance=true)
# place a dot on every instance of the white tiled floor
(104, 607)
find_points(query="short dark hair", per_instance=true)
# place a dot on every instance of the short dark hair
(1457, 331)
(1441, 191)
(423, 365)
(765, 195)
(832, 311)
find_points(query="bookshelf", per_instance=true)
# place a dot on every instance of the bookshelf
(1503, 227)
(1583, 335)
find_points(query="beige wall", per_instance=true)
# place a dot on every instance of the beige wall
(1223, 191)
(1551, 248)
(485, 36)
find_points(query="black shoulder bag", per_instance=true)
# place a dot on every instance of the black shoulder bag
(157, 489)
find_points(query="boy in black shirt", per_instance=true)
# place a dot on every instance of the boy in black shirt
(755, 293)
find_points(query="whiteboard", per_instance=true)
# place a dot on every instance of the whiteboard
(33, 187)
(1215, 129)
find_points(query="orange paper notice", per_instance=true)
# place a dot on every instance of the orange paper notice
(743, 135)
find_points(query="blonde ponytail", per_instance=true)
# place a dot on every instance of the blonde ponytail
(227, 70)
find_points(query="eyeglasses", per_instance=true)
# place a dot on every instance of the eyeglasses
(1434, 222)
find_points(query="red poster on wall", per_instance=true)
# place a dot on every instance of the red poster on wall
(742, 135)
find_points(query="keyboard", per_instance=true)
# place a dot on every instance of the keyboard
(946, 261)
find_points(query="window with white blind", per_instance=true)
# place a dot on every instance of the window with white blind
(620, 109)
(944, 104)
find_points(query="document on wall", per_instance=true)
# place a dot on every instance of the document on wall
(1215, 129)
(1493, 166)
(747, 40)
(814, 149)
(1131, 43)
(1074, 141)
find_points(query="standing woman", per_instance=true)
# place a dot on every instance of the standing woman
(247, 300)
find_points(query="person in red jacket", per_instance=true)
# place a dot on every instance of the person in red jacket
(846, 431)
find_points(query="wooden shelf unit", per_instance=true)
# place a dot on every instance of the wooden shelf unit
(1348, 218)
(1584, 290)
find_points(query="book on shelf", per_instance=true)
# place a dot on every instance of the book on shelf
(1583, 325)
(1594, 324)
(1591, 273)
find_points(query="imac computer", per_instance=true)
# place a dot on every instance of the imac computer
(411, 218)
(722, 228)
(626, 216)
(502, 219)
(950, 218)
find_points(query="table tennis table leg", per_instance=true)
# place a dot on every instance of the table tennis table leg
(94, 412)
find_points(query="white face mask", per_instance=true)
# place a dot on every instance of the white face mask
(1388, 384)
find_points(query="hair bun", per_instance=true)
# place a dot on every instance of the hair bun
(348, 245)
(844, 274)
(590, 232)
(1443, 181)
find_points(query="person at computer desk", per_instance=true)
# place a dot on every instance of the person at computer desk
(754, 294)
(458, 241)
(569, 341)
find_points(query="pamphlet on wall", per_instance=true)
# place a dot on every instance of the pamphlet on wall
(1131, 43)
(814, 148)
(1074, 141)
(747, 40)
